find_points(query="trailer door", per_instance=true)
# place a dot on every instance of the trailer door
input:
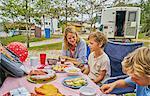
(131, 25)
(108, 21)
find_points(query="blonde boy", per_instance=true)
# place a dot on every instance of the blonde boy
(98, 61)
(137, 66)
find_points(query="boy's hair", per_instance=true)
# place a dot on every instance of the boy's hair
(69, 29)
(99, 37)
(138, 62)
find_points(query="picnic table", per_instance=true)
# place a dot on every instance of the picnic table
(12, 83)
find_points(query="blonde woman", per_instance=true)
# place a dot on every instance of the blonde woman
(137, 66)
(74, 48)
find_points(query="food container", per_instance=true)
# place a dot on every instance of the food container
(87, 91)
(72, 71)
(62, 60)
(34, 61)
(51, 61)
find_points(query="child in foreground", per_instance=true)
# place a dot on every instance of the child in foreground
(137, 66)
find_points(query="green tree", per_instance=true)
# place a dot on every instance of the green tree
(145, 16)
(92, 8)
(17, 11)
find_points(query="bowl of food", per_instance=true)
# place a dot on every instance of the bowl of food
(72, 71)
(87, 91)
(51, 61)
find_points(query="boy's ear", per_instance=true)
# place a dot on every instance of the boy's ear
(100, 45)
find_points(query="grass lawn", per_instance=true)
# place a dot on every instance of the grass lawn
(146, 44)
(7, 40)
(55, 46)
(23, 39)
(130, 94)
(142, 36)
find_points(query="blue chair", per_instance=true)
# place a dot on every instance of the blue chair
(116, 52)
(88, 51)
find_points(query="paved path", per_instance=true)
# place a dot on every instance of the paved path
(56, 40)
(56, 53)
(49, 53)
(45, 42)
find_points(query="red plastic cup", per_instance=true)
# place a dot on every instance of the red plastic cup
(42, 58)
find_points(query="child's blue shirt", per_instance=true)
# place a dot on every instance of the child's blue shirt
(140, 90)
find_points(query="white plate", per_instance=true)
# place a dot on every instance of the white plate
(87, 91)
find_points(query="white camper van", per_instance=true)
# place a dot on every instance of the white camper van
(121, 22)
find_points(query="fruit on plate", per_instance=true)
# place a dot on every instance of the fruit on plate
(73, 70)
(59, 68)
(76, 82)
(47, 90)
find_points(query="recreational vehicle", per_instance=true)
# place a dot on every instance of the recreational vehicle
(121, 22)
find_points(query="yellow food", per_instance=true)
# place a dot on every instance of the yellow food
(58, 67)
(73, 71)
(47, 90)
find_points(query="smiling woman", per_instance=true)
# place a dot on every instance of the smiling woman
(74, 48)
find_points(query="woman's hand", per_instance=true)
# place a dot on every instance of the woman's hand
(69, 59)
(64, 57)
(107, 88)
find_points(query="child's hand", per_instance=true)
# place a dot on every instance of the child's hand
(85, 70)
(107, 88)
(82, 69)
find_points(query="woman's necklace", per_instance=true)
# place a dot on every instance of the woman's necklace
(72, 51)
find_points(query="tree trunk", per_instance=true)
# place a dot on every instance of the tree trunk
(66, 12)
(91, 17)
(27, 25)
(44, 23)
(28, 37)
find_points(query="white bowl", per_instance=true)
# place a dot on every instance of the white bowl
(72, 71)
(87, 91)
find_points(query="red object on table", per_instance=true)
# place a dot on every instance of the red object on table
(19, 49)
(42, 58)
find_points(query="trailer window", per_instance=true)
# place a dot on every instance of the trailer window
(132, 16)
